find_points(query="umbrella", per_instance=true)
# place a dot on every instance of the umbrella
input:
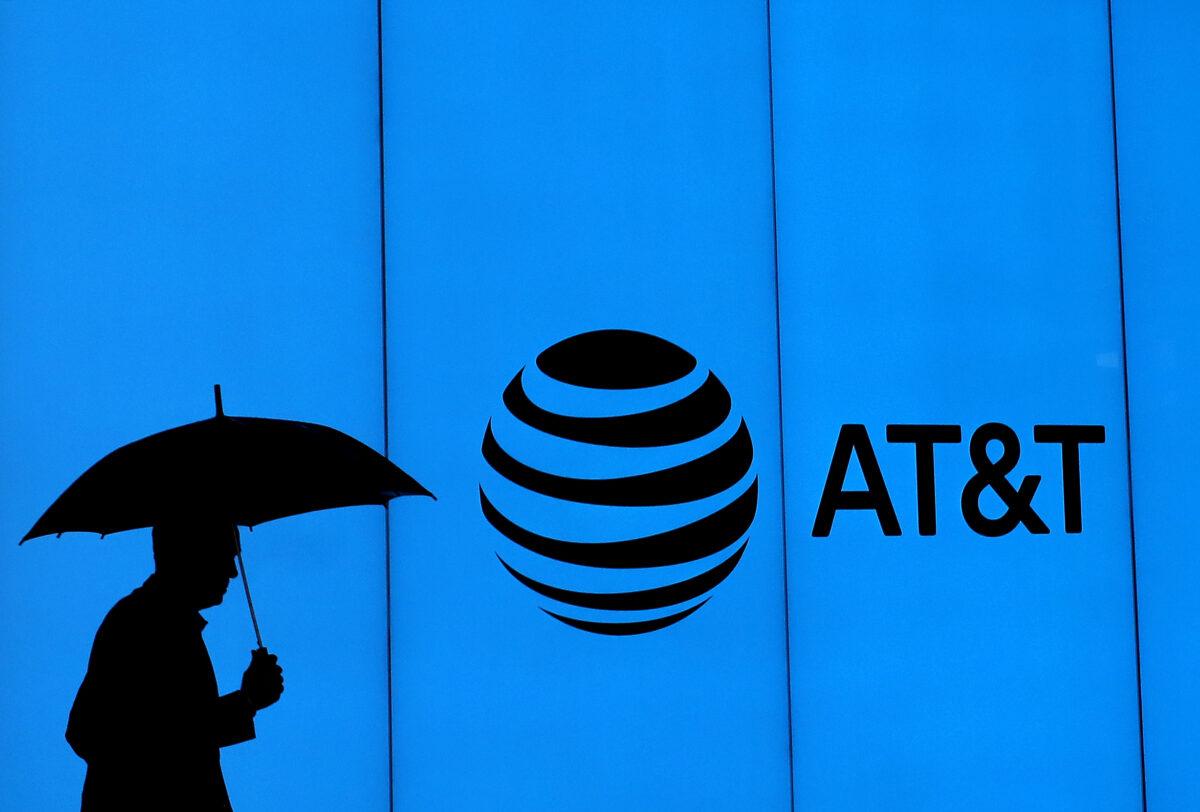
(248, 469)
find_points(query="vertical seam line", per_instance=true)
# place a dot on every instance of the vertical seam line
(1137, 637)
(387, 514)
(787, 631)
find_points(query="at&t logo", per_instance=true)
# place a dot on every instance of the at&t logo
(620, 482)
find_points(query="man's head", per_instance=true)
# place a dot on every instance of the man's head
(196, 559)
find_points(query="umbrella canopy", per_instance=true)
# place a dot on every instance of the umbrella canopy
(247, 469)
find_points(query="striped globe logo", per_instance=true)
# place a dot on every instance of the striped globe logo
(619, 482)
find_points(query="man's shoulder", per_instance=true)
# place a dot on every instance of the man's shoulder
(132, 615)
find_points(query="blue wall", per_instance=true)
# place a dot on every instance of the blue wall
(948, 255)
(555, 170)
(191, 198)
(855, 215)
(1156, 58)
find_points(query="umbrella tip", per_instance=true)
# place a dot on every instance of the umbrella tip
(217, 396)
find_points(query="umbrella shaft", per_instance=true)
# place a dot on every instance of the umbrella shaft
(246, 587)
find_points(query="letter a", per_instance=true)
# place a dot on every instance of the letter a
(853, 439)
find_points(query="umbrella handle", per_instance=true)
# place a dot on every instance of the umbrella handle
(237, 540)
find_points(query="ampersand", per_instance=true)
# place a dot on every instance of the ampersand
(1018, 501)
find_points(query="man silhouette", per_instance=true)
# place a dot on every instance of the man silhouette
(148, 719)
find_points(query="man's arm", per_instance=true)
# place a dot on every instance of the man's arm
(119, 708)
(234, 722)
(262, 685)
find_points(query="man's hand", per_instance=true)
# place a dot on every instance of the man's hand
(262, 682)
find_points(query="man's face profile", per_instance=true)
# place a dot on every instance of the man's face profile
(197, 559)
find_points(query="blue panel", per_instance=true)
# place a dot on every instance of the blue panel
(552, 170)
(190, 197)
(1157, 47)
(948, 256)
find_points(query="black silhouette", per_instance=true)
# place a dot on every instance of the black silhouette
(148, 719)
